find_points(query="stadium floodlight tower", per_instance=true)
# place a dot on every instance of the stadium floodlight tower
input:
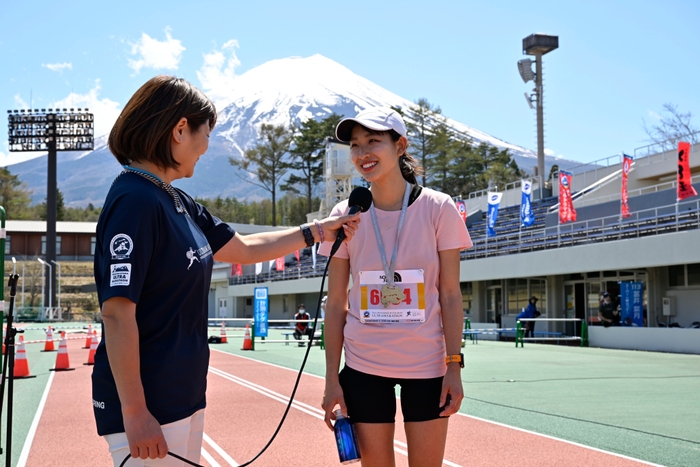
(337, 174)
(537, 45)
(50, 130)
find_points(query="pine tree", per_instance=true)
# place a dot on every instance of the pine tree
(307, 156)
(60, 207)
(420, 122)
(14, 196)
(266, 160)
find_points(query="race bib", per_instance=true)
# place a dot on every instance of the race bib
(403, 303)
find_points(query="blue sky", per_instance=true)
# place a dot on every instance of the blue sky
(619, 61)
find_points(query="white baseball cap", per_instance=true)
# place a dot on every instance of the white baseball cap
(374, 118)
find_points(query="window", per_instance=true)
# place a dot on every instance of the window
(683, 275)
(7, 244)
(693, 274)
(93, 243)
(58, 244)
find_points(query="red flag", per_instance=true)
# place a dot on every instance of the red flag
(280, 264)
(236, 269)
(296, 255)
(567, 212)
(462, 208)
(685, 183)
(624, 206)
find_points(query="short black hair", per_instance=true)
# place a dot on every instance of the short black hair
(143, 130)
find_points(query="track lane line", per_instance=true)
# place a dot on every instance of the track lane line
(573, 443)
(209, 458)
(220, 451)
(24, 455)
(310, 410)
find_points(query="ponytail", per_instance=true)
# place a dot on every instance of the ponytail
(410, 167)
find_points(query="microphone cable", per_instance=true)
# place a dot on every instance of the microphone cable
(291, 397)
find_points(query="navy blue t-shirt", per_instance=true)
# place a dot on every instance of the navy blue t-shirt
(161, 260)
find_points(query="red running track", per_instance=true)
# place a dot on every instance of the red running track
(246, 399)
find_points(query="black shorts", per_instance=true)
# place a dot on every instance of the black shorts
(372, 399)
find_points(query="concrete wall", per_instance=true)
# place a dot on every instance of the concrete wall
(652, 339)
(636, 253)
(687, 306)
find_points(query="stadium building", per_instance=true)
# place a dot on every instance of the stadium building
(566, 265)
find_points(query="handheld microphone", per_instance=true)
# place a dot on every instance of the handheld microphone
(360, 200)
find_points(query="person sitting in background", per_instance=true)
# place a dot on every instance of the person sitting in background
(301, 327)
(608, 312)
(527, 313)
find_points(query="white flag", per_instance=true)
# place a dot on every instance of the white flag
(258, 268)
(313, 254)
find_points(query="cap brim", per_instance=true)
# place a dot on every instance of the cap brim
(343, 131)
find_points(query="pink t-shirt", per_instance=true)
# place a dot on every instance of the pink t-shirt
(401, 350)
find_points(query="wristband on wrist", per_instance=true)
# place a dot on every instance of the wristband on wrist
(308, 236)
(320, 231)
(459, 358)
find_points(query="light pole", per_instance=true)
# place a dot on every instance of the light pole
(53, 130)
(44, 263)
(537, 45)
(58, 266)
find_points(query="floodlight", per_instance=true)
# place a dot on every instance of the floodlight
(525, 69)
(528, 98)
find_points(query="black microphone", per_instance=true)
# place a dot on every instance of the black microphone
(360, 200)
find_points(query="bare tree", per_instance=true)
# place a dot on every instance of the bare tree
(673, 126)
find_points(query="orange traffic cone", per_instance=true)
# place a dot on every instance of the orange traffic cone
(93, 348)
(48, 345)
(62, 361)
(247, 342)
(223, 334)
(21, 363)
(89, 337)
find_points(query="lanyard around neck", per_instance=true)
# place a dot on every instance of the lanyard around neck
(389, 268)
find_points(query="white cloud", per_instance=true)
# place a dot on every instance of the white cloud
(218, 71)
(58, 66)
(156, 54)
(653, 115)
(105, 110)
(548, 152)
(19, 102)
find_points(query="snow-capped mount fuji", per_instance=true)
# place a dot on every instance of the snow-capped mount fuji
(285, 91)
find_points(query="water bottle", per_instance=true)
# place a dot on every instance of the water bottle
(345, 439)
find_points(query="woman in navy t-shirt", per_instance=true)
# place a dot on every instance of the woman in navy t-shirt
(153, 262)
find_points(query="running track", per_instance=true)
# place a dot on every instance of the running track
(246, 399)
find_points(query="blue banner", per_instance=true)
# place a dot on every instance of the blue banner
(494, 200)
(631, 311)
(527, 217)
(260, 315)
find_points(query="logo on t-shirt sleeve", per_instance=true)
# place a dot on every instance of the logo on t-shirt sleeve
(121, 246)
(121, 274)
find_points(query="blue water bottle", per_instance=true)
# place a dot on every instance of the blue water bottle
(345, 439)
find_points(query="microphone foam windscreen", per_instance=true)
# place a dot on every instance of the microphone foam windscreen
(361, 197)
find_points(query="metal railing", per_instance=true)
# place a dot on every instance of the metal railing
(653, 221)
(663, 147)
(630, 193)
(290, 273)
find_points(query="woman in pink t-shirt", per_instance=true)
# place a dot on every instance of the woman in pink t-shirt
(403, 325)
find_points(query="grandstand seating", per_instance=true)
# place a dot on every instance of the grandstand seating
(512, 239)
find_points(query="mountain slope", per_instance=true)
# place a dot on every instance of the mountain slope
(285, 91)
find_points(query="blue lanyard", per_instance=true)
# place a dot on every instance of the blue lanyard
(389, 268)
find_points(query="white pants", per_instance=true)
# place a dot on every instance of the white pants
(184, 438)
